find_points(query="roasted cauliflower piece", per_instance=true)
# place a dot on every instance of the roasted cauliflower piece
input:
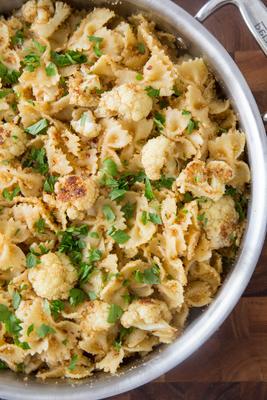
(53, 277)
(154, 155)
(12, 141)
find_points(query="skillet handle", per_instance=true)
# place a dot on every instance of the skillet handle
(253, 12)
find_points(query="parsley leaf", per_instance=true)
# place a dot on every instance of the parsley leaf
(108, 213)
(92, 295)
(3, 365)
(40, 225)
(144, 217)
(36, 159)
(31, 62)
(240, 201)
(38, 128)
(159, 120)
(9, 195)
(73, 362)
(71, 57)
(148, 189)
(109, 167)
(41, 48)
(192, 125)
(5, 92)
(56, 306)
(202, 218)
(18, 38)
(176, 92)
(116, 194)
(51, 69)
(49, 184)
(44, 330)
(152, 92)
(76, 296)
(97, 41)
(128, 210)
(150, 276)
(32, 260)
(155, 219)
(118, 236)
(186, 112)
(141, 48)
(71, 242)
(115, 312)
(163, 182)
(16, 299)
(30, 329)
(8, 76)
(94, 235)
(139, 77)
(12, 323)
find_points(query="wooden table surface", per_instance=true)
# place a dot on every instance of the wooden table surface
(232, 364)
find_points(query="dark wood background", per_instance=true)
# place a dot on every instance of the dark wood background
(232, 365)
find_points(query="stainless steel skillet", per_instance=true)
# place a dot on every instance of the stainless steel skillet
(200, 42)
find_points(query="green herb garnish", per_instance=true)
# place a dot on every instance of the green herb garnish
(18, 38)
(37, 160)
(148, 190)
(141, 48)
(71, 57)
(159, 120)
(108, 213)
(150, 276)
(49, 184)
(97, 43)
(77, 296)
(73, 362)
(115, 312)
(40, 225)
(38, 128)
(118, 236)
(51, 69)
(16, 299)
(128, 210)
(44, 330)
(152, 92)
(9, 195)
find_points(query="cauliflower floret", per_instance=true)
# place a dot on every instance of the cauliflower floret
(222, 221)
(150, 315)
(154, 155)
(81, 85)
(206, 180)
(76, 193)
(129, 101)
(53, 277)
(95, 317)
(86, 125)
(12, 141)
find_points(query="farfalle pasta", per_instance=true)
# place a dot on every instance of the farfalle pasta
(123, 189)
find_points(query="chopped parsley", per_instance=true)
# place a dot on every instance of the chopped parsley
(18, 38)
(5, 92)
(71, 242)
(117, 194)
(93, 235)
(109, 168)
(192, 125)
(203, 219)
(92, 295)
(16, 299)
(56, 306)
(139, 77)
(159, 121)
(8, 76)
(115, 312)
(30, 329)
(31, 61)
(128, 210)
(41, 48)
(51, 69)
(152, 92)
(71, 57)
(144, 217)
(150, 276)
(155, 218)
(188, 197)
(44, 330)
(141, 48)
(32, 260)
(40, 225)
(108, 213)
(73, 362)
(97, 43)
(3, 365)
(39, 128)
(176, 92)
(9, 195)
(12, 324)
(240, 201)
(77, 296)
(37, 160)
(118, 236)
(148, 189)
(186, 112)
(164, 182)
(49, 184)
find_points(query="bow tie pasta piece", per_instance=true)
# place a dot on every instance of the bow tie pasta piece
(172, 293)
(53, 277)
(193, 72)
(206, 180)
(88, 26)
(44, 25)
(176, 123)
(139, 340)
(4, 36)
(128, 101)
(13, 356)
(111, 362)
(150, 315)
(12, 259)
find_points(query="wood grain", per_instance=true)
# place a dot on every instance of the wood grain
(232, 365)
